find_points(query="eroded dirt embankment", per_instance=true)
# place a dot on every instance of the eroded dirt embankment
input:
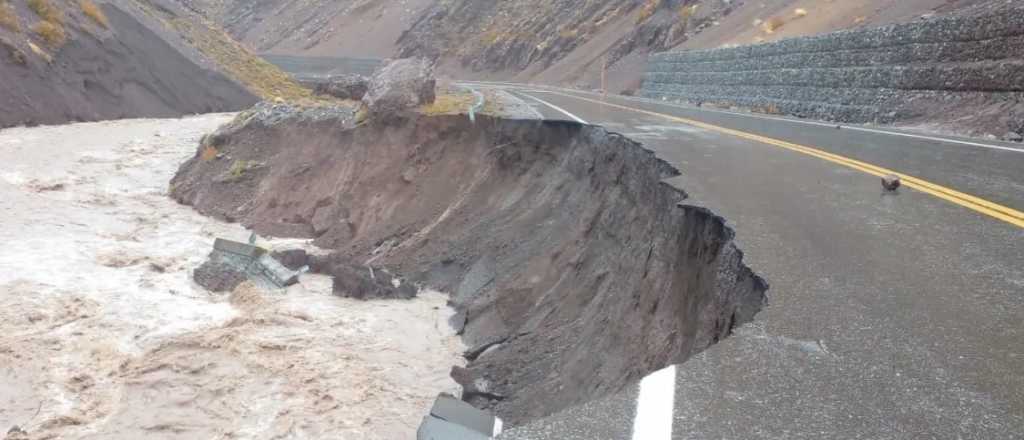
(576, 267)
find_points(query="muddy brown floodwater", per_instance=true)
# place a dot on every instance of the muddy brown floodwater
(104, 335)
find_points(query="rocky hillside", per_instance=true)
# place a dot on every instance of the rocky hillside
(361, 28)
(82, 60)
(565, 42)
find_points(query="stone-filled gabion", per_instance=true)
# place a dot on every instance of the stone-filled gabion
(866, 75)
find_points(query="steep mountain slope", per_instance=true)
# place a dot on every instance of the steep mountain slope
(771, 20)
(359, 28)
(567, 42)
(78, 60)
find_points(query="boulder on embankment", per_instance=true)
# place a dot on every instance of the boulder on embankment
(348, 86)
(399, 86)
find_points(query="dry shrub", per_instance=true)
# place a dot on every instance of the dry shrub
(491, 37)
(770, 25)
(94, 12)
(51, 29)
(261, 77)
(52, 34)
(209, 153)
(449, 104)
(800, 13)
(8, 17)
(685, 14)
(46, 10)
(650, 6)
(769, 109)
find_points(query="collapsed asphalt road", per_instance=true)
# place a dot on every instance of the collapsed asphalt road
(893, 316)
(575, 269)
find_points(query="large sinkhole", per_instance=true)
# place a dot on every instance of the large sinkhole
(575, 269)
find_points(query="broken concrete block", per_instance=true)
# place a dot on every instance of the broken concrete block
(453, 419)
(233, 262)
(237, 248)
(447, 407)
(276, 272)
(434, 428)
(218, 276)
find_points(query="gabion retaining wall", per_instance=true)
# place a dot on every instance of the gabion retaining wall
(868, 75)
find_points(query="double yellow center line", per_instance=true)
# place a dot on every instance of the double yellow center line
(968, 201)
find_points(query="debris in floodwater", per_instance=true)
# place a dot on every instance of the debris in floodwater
(16, 433)
(352, 280)
(232, 263)
(451, 418)
(294, 259)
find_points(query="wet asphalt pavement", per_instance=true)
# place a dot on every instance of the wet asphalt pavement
(891, 316)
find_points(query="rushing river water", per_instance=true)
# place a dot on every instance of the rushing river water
(104, 335)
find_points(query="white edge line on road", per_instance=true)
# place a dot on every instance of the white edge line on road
(574, 117)
(795, 121)
(536, 113)
(844, 127)
(655, 406)
(917, 136)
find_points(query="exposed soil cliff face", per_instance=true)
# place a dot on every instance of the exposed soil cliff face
(575, 266)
